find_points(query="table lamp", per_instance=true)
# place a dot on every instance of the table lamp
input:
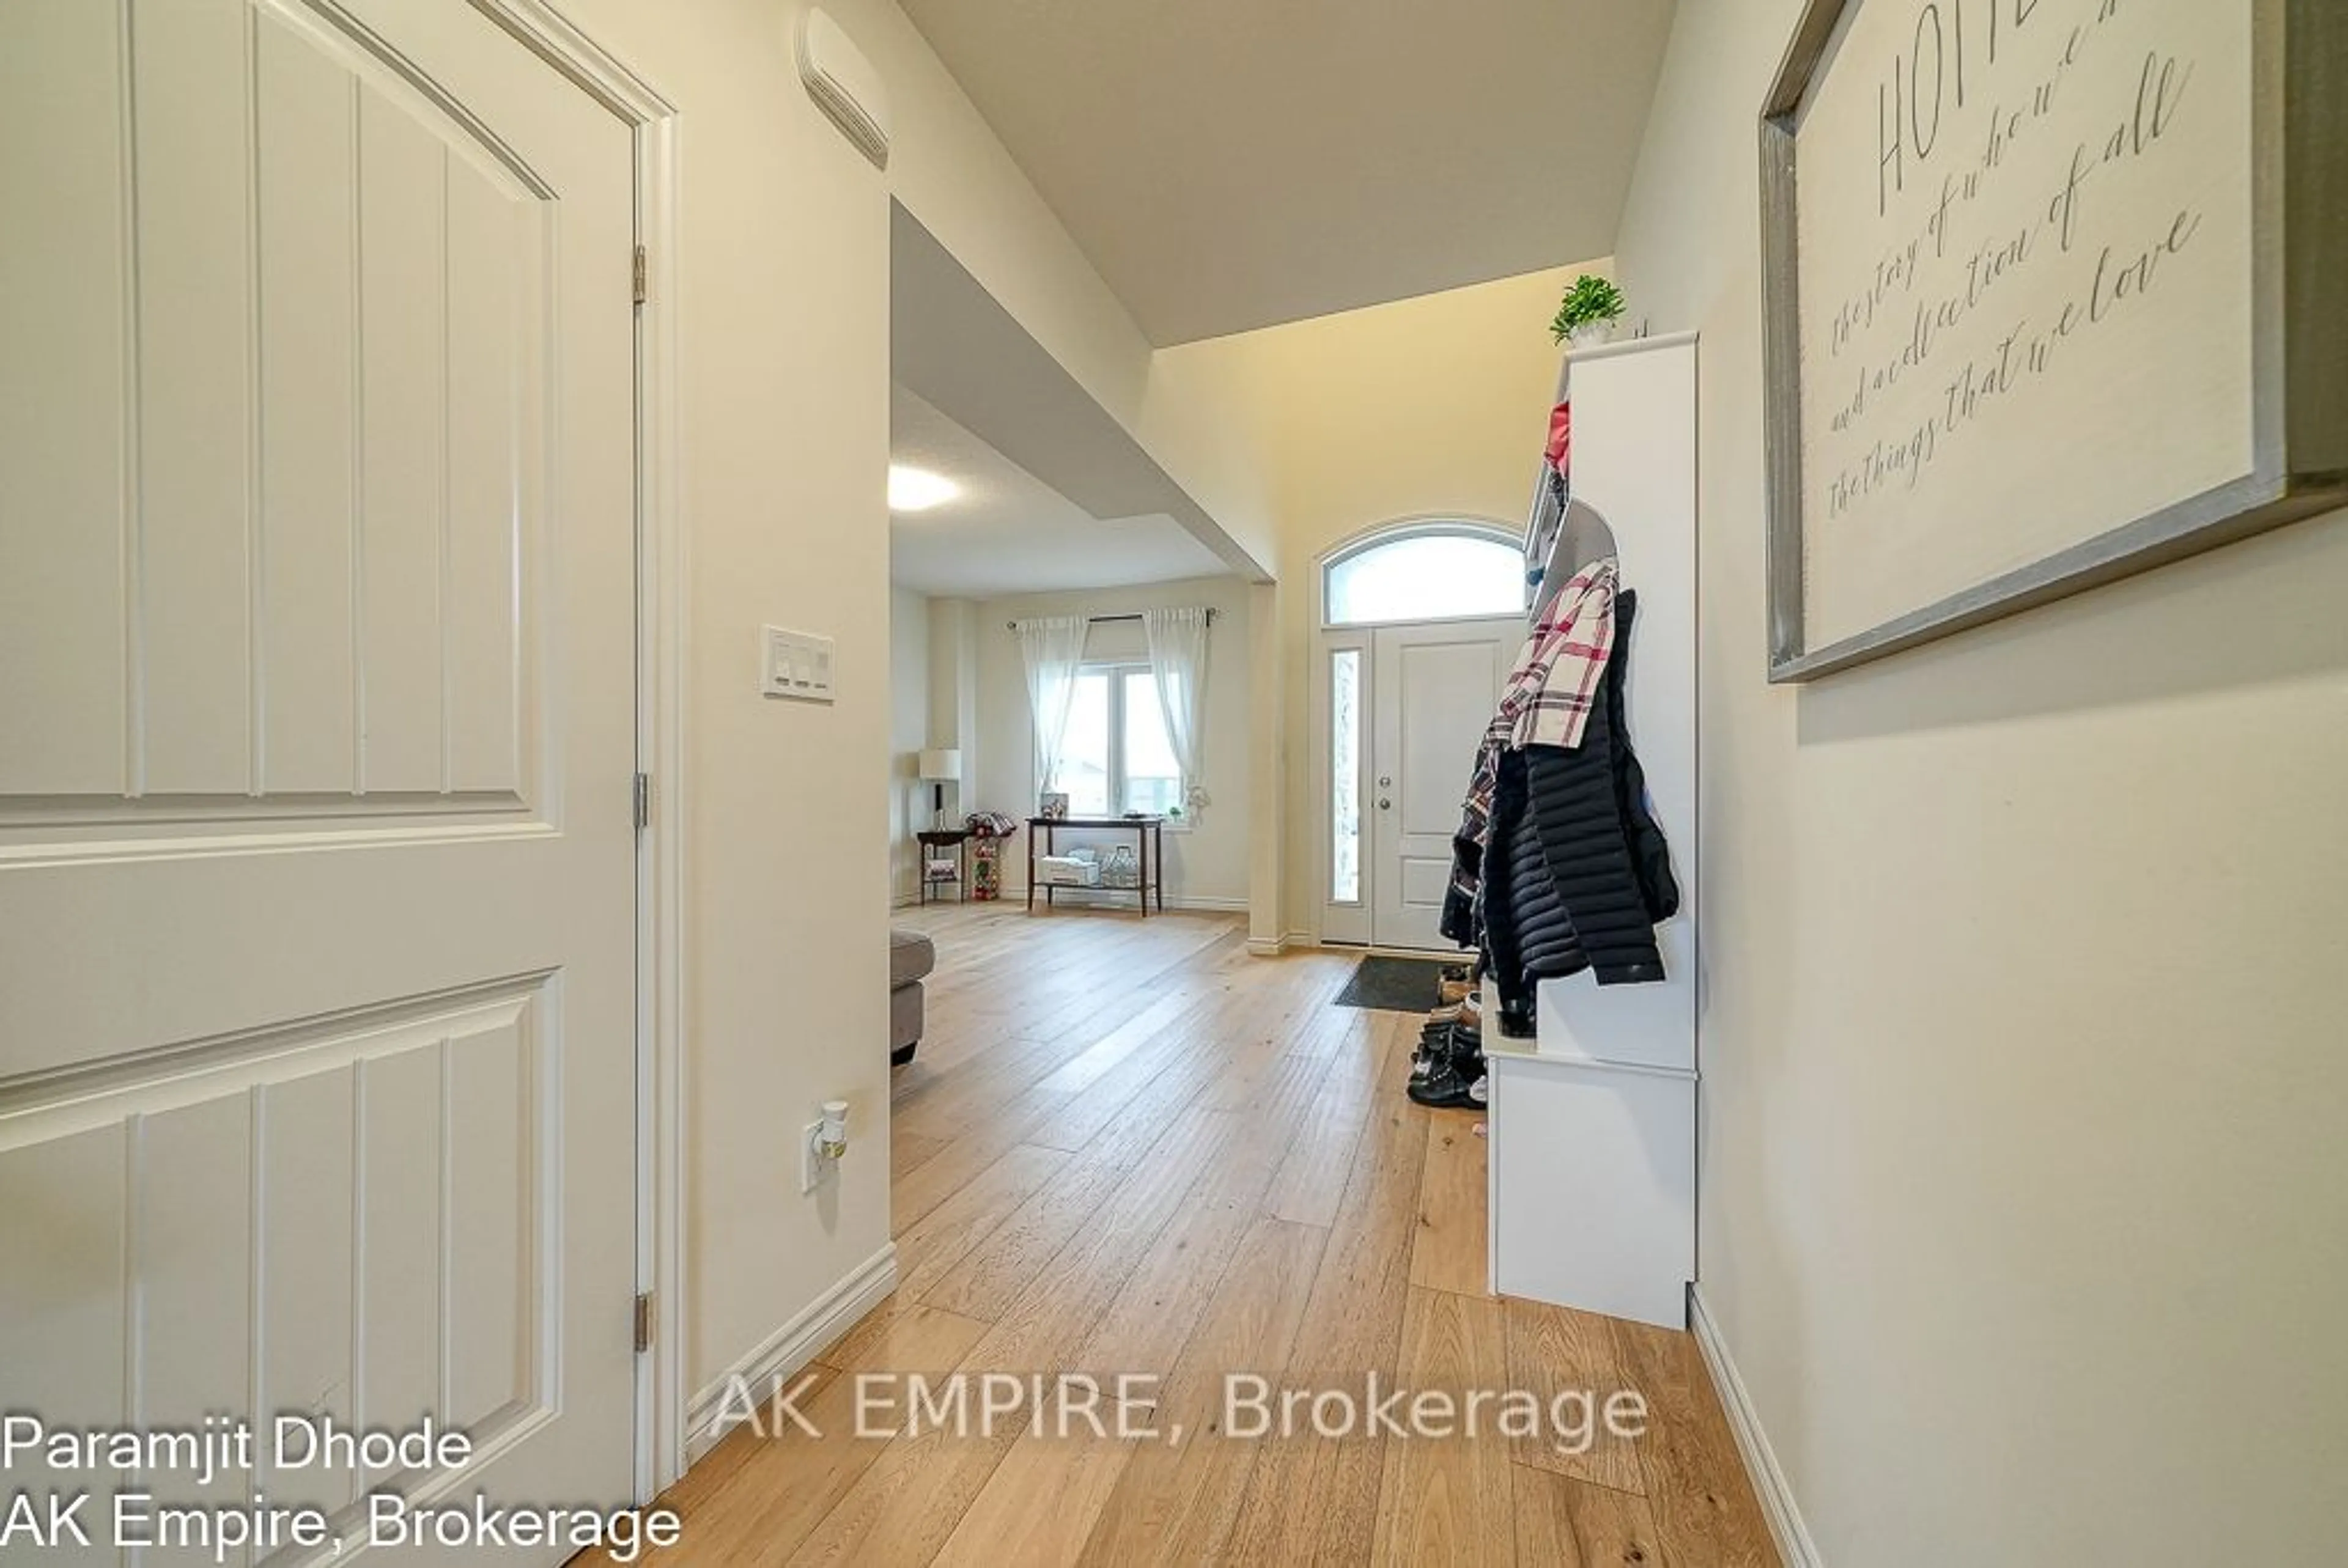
(940, 767)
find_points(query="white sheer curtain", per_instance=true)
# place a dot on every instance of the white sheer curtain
(1178, 664)
(1052, 646)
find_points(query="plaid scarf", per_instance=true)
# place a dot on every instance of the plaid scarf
(1556, 678)
(1546, 703)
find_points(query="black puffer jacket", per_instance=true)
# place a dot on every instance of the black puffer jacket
(1527, 933)
(1578, 873)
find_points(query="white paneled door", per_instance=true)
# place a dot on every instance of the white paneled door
(317, 653)
(1433, 690)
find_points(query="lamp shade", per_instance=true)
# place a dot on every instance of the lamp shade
(941, 766)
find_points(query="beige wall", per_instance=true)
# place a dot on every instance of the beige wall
(784, 359)
(1206, 863)
(781, 289)
(2025, 1027)
(1437, 404)
(908, 733)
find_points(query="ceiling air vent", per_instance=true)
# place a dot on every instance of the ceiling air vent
(844, 85)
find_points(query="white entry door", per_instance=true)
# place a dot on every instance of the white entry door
(316, 736)
(1433, 690)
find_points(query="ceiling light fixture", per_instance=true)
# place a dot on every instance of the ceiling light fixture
(918, 489)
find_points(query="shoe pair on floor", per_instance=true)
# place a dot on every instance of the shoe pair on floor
(1447, 1069)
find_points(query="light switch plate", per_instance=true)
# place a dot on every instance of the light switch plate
(794, 664)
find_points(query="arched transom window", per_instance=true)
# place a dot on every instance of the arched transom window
(1430, 571)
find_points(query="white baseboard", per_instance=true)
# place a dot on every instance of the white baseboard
(785, 1352)
(1286, 942)
(1785, 1526)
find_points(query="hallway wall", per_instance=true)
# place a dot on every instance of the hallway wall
(1434, 405)
(780, 285)
(2025, 1062)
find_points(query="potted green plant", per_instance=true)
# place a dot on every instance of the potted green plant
(1588, 312)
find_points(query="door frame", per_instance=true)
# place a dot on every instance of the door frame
(661, 650)
(1328, 639)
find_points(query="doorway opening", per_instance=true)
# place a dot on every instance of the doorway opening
(1419, 620)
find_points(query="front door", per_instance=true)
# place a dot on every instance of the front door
(316, 732)
(1433, 690)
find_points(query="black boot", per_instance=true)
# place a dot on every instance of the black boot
(1439, 1040)
(1453, 1077)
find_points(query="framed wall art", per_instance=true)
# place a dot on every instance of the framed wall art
(2054, 290)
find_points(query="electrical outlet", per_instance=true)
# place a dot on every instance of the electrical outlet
(813, 1166)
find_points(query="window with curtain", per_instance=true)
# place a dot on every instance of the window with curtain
(1441, 571)
(1116, 756)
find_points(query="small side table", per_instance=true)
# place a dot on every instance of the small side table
(957, 839)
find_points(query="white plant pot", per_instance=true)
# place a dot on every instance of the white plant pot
(1590, 334)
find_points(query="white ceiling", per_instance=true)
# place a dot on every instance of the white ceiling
(1228, 164)
(1008, 531)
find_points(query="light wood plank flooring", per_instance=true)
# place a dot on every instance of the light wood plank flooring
(1128, 1146)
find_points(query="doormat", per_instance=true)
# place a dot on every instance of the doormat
(1392, 985)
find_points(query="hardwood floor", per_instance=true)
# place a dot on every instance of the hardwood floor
(1129, 1147)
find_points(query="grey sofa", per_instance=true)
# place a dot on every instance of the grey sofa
(911, 954)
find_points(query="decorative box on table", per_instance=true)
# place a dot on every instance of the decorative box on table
(1078, 868)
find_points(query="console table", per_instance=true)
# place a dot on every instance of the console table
(1150, 850)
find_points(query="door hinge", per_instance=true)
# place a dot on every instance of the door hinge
(646, 1322)
(643, 276)
(644, 802)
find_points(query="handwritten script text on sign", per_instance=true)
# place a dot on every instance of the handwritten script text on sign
(2040, 181)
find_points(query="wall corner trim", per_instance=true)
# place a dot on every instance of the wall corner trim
(1776, 1495)
(786, 1352)
(1267, 947)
